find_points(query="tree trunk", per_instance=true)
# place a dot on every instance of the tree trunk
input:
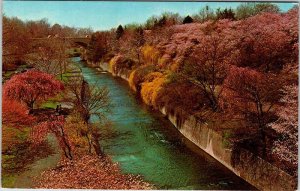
(65, 67)
(88, 138)
(30, 105)
(61, 72)
(89, 143)
(262, 129)
(96, 146)
(67, 150)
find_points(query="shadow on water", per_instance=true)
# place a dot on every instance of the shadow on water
(144, 142)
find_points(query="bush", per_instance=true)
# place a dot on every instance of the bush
(150, 54)
(137, 77)
(151, 87)
(180, 95)
(117, 63)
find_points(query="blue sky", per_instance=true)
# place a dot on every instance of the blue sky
(105, 15)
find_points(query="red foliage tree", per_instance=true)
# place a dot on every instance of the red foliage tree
(55, 125)
(250, 95)
(31, 86)
(15, 114)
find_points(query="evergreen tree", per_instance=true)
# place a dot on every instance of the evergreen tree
(187, 19)
(119, 32)
(162, 21)
(225, 14)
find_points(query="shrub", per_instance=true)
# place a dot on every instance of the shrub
(151, 87)
(177, 95)
(150, 54)
(138, 76)
(114, 62)
(117, 63)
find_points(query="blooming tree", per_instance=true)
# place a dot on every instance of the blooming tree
(15, 114)
(262, 42)
(31, 86)
(207, 68)
(287, 126)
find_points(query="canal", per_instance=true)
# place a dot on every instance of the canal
(145, 143)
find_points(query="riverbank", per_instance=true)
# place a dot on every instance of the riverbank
(242, 162)
(89, 172)
(87, 169)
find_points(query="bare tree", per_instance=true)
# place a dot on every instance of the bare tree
(88, 101)
(51, 56)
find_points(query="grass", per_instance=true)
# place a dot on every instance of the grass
(8, 180)
(8, 74)
(18, 153)
(50, 104)
(226, 139)
(11, 136)
(66, 76)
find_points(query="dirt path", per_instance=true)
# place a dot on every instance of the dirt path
(26, 179)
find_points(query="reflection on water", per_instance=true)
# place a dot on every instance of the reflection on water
(145, 143)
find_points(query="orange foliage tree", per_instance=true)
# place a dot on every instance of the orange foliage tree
(151, 86)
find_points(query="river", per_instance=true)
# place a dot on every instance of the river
(143, 142)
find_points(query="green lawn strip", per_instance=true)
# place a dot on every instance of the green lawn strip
(9, 162)
(8, 180)
(8, 74)
(50, 104)
(20, 156)
(27, 178)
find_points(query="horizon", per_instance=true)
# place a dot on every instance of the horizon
(106, 15)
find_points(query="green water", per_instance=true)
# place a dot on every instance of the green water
(144, 142)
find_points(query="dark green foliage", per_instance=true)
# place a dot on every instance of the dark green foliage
(162, 22)
(150, 23)
(225, 14)
(165, 19)
(119, 32)
(187, 19)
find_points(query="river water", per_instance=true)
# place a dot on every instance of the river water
(143, 142)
